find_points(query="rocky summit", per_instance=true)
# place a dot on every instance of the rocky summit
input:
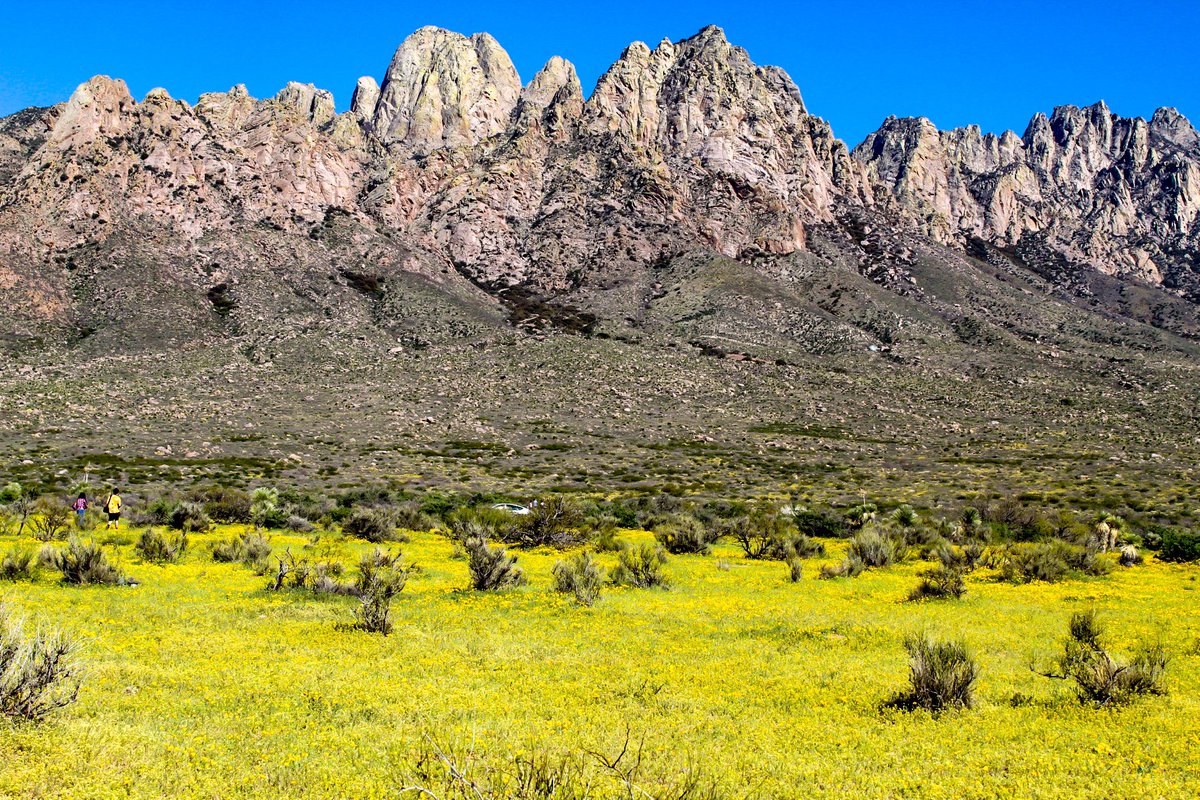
(688, 219)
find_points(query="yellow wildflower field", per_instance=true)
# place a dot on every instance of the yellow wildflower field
(734, 683)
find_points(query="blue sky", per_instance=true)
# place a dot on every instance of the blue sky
(989, 63)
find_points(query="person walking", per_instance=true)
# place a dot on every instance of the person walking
(80, 506)
(113, 506)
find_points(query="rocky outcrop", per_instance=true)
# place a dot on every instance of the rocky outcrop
(1114, 194)
(443, 89)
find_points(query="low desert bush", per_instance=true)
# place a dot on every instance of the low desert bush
(492, 568)
(249, 548)
(942, 675)
(376, 525)
(380, 578)
(581, 576)
(224, 504)
(189, 517)
(50, 520)
(555, 521)
(819, 523)
(16, 564)
(939, 582)
(39, 670)
(682, 533)
(876, 548)
(160, 548)
(1048, 561)
(795, 569)
(82, 563)
(1179, 545)
(641, 566)
(1099, 678)
(1130, 556)
(851, 567)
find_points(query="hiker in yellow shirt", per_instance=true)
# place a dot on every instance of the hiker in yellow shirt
(113, 506)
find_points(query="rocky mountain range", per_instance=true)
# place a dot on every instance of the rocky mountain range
(453, 200)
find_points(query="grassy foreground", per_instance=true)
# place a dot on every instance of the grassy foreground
(736, 683)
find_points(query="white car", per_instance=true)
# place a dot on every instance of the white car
(512, 508)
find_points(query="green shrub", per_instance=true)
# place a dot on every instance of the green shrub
(939, 582)
(1049, 561)
(225, 504)
(819, 523)
(641, 566)
(607, 540)
(942, 675)
(683, 533)
(375, 525)
(877, 549)
(1178, 545)
(11, 492)
(39, 670)
(154, 546)
(553, 521)
(82, 564)
(1099, 678)
(492, 568)
(188, 517)
(581, 576)
(17, 564)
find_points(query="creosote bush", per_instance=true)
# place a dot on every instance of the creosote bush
(1099, 678)
(941, 675)
(555, 521)
(160, 548)
(876, 548)
(492, 568)
(39, 670)
(1179, 545)
(82, 563)
(581, 576)
(641, 566)
(682, 534)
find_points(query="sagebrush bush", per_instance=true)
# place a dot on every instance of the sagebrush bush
(159, 548)
(942, 675)
(82, 563)
(641, 566)
(939, 582)
(1099, 678)
(682, 534)
(581, 576)
(492, 568)
(877, 549)
(39, 670)
(224, 504)
(17, 564)
(607, 540)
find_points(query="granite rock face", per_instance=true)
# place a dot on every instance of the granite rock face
(453, 173)
(1117, 195)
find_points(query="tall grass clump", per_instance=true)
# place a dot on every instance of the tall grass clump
(876, 548)
(581, 576)
(376, 525)
(492, 568)
(941, 676)
(17, 564)
(39, 670)
(249, 548)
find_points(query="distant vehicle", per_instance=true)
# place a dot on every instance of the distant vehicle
(512, 508)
